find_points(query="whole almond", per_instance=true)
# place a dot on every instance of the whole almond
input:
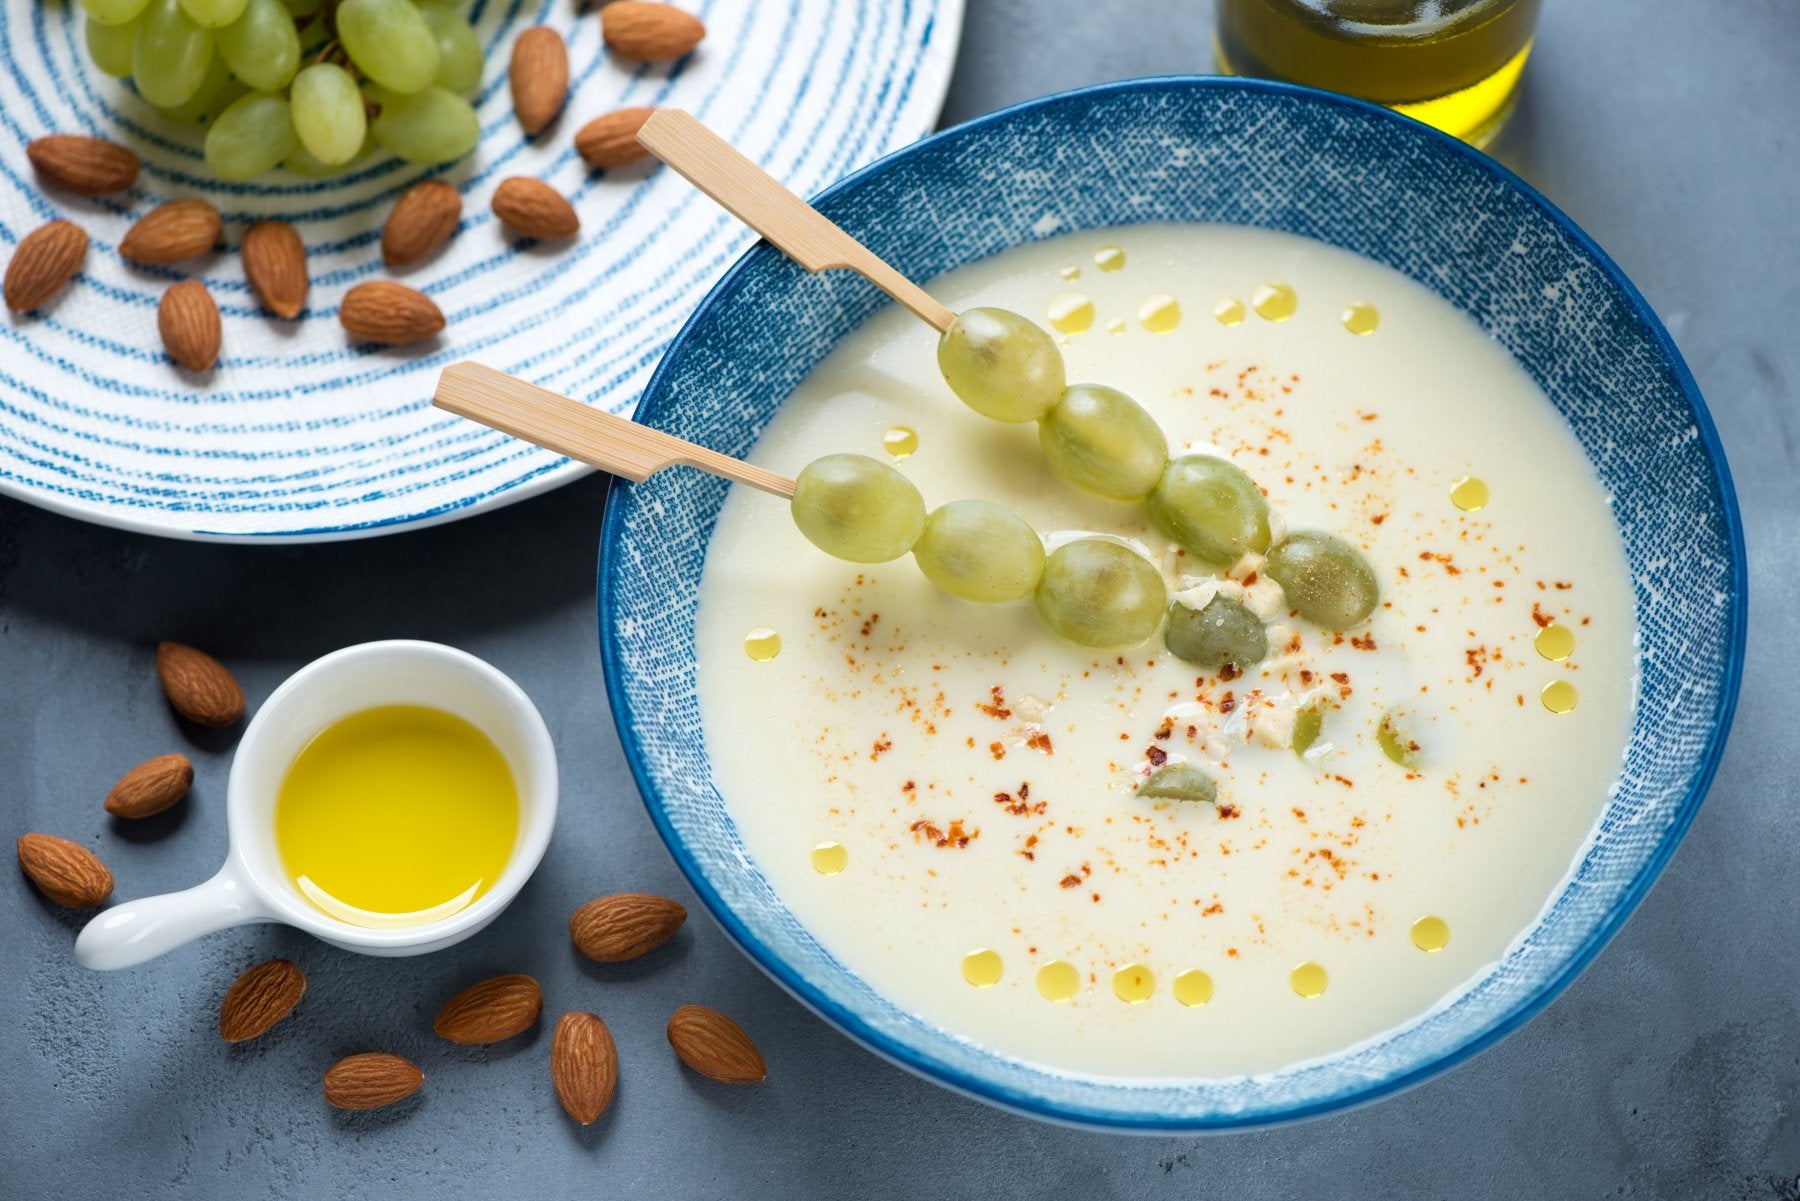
(534, 208)
(171, 232)
(66, 872)
(259, 998)
(715, 1046)
(390, 313)
(90, 166)
(188, 320)
(422, 219)
(47, 258)
(151, 786)
(624, 925)
(652, 33)
(198, 686)
(275, 264)
(584, 1066)
(490, 1011)
(538, 76)
(371, 1080)
(611, 141)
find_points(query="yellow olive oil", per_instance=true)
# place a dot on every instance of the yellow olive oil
(396, 816)
(1454, 64)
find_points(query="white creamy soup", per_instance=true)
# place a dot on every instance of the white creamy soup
(946, 794)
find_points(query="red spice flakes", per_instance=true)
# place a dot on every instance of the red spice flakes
(1227, 703)
(868, 626)
(997, 750)
(1342, 680)
(1212, 910)
(995, 706)
(881, 747)
(1026, 850)
(1540, 617)
(1040, 741)
(1346, 781)
(909, 787)
(1021, 805)
(1229, 672)
(1227, 812)
(1167, 728)
(1561, 585)
(1306, 675)
(1364, 643)
(1446, 561)
(1156, 755)
(1378, 519)
(955, 836)
(1193, 732)
(1299, 813)
(1070, 881)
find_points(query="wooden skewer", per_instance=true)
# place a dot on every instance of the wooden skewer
(711, 164)
(582, 432)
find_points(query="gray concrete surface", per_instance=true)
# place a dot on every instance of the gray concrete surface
(1670, 1070)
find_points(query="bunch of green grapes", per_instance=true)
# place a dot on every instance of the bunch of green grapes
(305, 84)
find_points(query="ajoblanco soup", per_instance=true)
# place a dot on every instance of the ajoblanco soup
(1125, 861)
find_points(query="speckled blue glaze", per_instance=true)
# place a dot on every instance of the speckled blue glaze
(1205, 149)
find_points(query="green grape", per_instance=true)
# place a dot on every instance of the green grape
(459, 51)
(328, 113)
(1222, 632)
(1101, 594)
(1179, 782)
(114, 12)
(302, 8)
(215, 92)
(110, 46)
(301, 161)
(980, 552)
(1001, 365)
(390, 42)
(857, 508)
(1211, 508)
(170, 55)
(213, 14)
(1102, 441)
(250, 137)
(433, 126)
(1396, 739)
(1324, 579)
(1309, 723)
(261, 46)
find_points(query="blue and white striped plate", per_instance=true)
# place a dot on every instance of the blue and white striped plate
(299, 434)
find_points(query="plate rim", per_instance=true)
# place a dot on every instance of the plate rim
(1097, 1118)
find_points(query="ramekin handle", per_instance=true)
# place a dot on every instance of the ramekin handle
(129, 934)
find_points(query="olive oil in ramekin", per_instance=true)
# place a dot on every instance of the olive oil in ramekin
(1454, 64)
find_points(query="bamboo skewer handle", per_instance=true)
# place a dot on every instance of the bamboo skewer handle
(715, 167)
(599, 439)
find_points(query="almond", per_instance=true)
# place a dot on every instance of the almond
(151, 786)
(275, 264)
(624, 926)
(538, 76)
(390, 313)
(171, 232)
(715, 1046)
(371, 1080)
(188, 319)
(198, 686)
(490, 1011)
(259, 998)
(423, 218)
(47, 258)
(90, 166)
(611, 141)
(652, 33)
(584, 1066)
(66, 872)
(534, 208)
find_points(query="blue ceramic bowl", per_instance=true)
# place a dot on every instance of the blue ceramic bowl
(1204, 149)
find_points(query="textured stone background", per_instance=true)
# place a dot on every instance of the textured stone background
(1670, 1070)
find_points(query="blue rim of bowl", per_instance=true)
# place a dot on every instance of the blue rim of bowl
(911, 1059)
